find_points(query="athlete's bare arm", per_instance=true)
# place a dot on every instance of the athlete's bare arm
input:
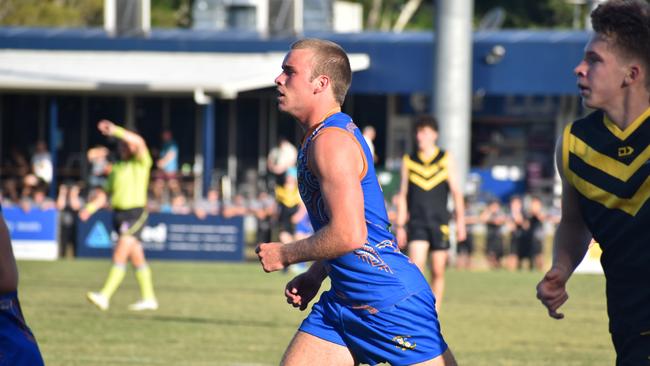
(457, 196)
(302, 288)
(8, 270)
(97, 202)
(135, 142)
(337, 162)
(402, 205)
(570, 244)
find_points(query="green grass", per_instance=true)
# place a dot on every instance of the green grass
(235, 314)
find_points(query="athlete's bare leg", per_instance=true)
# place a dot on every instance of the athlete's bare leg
(123, 249)
(418, 251)
(512, 262)
(438, 267)
(539, 262)
(308, 350)
(446, 359)
(137, 255)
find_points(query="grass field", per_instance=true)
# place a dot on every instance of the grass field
(235, 314)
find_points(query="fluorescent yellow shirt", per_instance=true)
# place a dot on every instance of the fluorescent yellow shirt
(128, 182)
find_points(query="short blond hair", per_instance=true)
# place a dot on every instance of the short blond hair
(330, 60)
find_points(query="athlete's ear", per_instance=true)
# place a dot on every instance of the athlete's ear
(321, 83)
(632, 75)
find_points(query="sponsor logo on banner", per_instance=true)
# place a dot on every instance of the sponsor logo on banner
(99, 236)
(168, 236)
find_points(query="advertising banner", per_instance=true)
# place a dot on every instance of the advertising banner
(33, 233)
(168, 236)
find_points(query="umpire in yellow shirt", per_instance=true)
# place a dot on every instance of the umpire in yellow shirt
(127, 186)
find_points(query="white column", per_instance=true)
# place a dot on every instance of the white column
(453, 79)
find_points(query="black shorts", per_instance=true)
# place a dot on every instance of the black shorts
(130, 222)
(284, 219)
(436, 234)
(494, 245)
(632, 349)
(516, 239)
(529, 247)
(466, 246)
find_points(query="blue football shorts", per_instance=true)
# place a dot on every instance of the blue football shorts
(17, 344)
(405, 333)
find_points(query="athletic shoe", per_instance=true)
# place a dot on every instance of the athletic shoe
(98, 300)
(149, 304)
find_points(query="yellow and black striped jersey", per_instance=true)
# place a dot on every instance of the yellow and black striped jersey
(610, 169)
(288, 197)
(428, 187)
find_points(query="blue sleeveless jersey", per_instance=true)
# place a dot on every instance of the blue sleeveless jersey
(377, 275)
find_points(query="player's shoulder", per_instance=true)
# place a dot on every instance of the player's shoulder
(587, 121)
(339, 121)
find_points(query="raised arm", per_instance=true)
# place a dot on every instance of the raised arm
(570, 244)
(135, 142)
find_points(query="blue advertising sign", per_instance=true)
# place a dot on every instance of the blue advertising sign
(168, 236)
(33, 233)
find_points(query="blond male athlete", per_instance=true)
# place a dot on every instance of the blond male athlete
(379, 308)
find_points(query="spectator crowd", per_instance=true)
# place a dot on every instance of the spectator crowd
(512, 235)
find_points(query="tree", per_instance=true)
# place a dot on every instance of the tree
(86, 13)
(384, 15)
(419, 14)
(52, 13)
(529, 14)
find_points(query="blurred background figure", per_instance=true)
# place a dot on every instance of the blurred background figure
(235, 207)
(10, 192)
(369, 134)
(264, 209)
(303, 229)
(100, 165)
(180, 205)
(288, 202)
(280, 159)
(17, 166)
(531, 245)
(158, 196)
(211, 205)
(518, 225)
(428, 179)
(168, 161)
(494, 219)
(42, 163)
(127, 186)
(68, 202)
(34, 196)
(465, 248)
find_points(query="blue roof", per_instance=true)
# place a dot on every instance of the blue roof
(536, 62)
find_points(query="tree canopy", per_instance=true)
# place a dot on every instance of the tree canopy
(379, 14)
